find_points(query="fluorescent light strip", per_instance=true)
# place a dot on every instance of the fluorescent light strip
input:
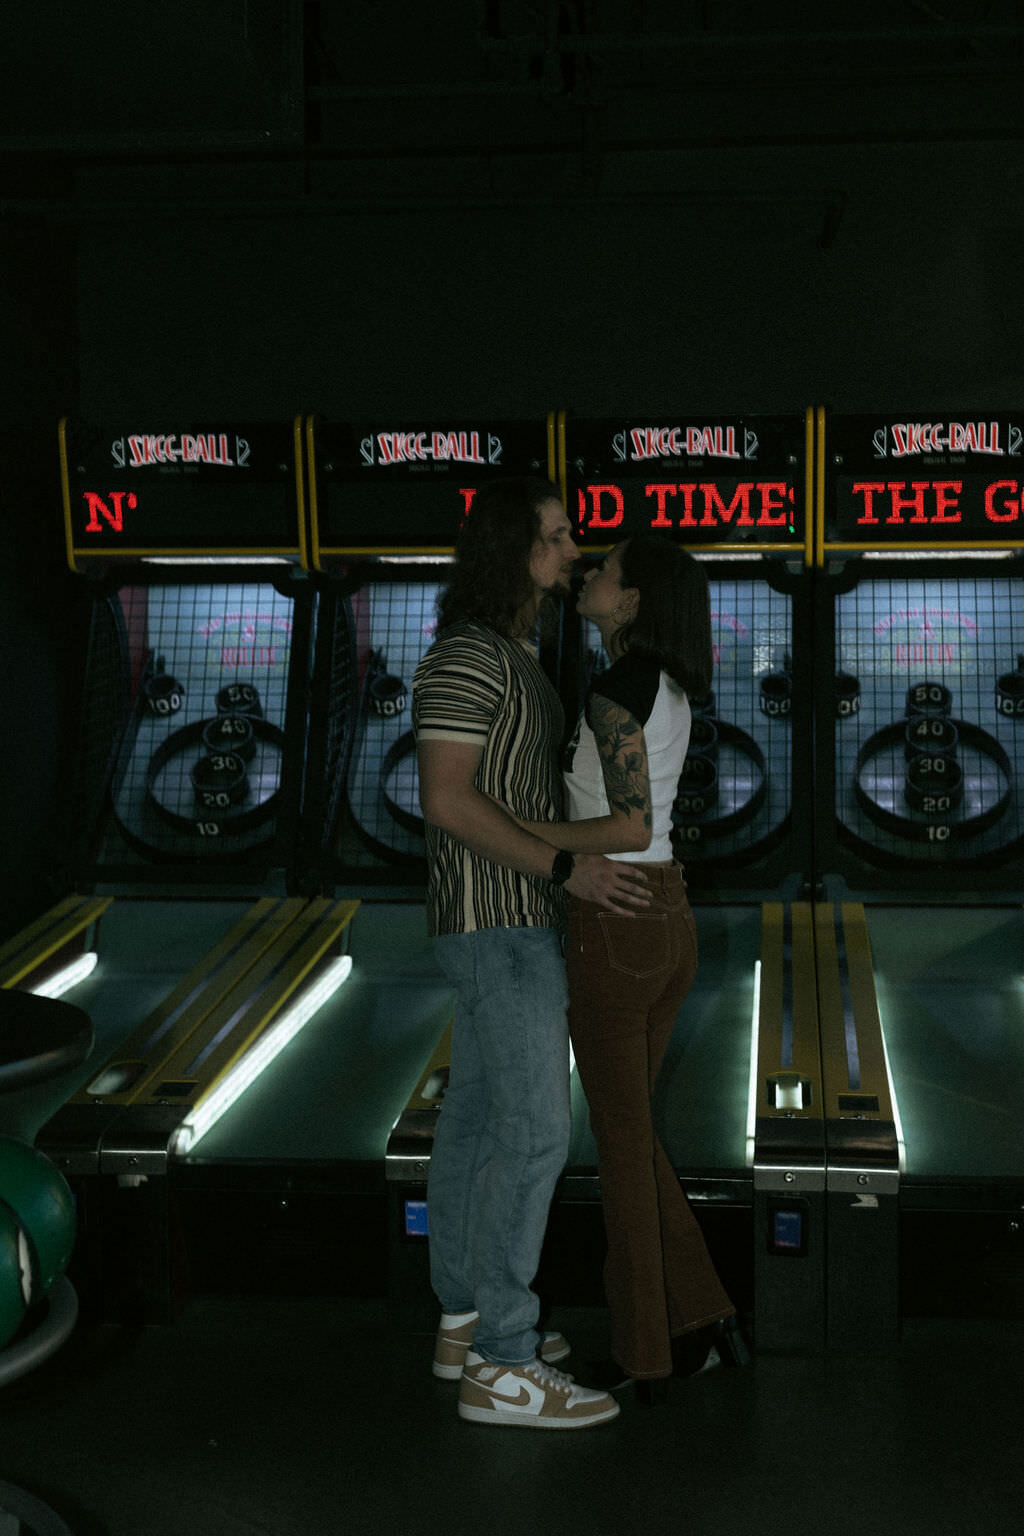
(256, 1060)
(437, 559)
(725, 554)
(214, 560)
(901, 1145)
(938, 554)
(62, 981)
(755, 1047)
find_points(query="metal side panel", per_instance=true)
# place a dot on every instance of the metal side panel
(72, 1138)
(862, 1144)
(789, 1139)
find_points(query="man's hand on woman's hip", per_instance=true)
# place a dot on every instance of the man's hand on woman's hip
(611, 884)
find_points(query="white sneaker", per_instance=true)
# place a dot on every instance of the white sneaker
(455, 1335)
(533, 1396)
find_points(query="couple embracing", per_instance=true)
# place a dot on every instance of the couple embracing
(557, 909)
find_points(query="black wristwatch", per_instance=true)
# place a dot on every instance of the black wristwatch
(562, 867)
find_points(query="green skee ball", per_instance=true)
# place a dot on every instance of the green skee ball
(42, 1204)
(14, 1278)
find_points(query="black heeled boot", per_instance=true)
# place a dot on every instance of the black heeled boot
(604, 1375)
(690, 1351)
(652, 1392)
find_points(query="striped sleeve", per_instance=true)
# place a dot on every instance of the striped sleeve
(458, 689)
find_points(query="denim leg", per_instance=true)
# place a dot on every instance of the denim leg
(503, 1133)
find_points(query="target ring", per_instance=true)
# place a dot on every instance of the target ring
(984, 787)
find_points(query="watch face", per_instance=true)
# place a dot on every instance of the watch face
(562, 867)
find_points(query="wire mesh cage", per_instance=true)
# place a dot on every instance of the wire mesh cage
(104, 713)
(735, 794)
(196, 752)
(373, 819)
(929, 718)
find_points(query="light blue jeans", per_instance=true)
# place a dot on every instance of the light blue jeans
(502, 1137)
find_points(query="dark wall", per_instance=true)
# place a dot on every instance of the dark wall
(726, 280)
(40, 608)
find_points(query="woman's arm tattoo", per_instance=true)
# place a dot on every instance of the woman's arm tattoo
(620, 742)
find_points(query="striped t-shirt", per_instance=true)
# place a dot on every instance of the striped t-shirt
(475, 686)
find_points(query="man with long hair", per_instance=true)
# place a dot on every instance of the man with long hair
(488, 728)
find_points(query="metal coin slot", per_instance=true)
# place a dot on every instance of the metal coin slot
(788, 1090)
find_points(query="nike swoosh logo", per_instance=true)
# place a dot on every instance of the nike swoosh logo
(522, 1399)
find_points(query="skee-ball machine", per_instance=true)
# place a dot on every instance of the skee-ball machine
(920, 835)
(195, 962)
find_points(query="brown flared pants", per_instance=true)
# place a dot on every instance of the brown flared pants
(628, 976)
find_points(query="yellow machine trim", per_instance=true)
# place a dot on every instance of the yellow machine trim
(242, 1015)
(314, 511)
(556, 457)
(30, 948)
(65, 490)
(174, 1021)
(300, 495)
(800, 1059)
(874, 1081)
(810, 485)
(819, 472)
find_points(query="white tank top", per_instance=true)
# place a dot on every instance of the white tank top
(661, 707)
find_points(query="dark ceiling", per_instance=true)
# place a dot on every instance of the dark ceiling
(464, 77)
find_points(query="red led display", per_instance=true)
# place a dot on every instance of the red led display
(960, 493)
(108, 509)
(735, 482)
(692, 504)
(933, 501)
(225, 491)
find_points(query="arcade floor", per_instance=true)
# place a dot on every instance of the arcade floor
(271, 1417)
